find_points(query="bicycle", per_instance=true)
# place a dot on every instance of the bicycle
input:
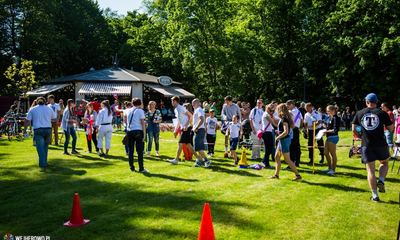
(12, 126)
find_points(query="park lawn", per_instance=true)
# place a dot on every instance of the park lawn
(168, 202)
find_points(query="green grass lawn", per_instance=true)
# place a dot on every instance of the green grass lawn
(168, 202)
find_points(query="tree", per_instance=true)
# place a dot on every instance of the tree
(364, 48)
(23, 79)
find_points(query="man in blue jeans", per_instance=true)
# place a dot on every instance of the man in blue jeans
(199, 134)
(41, 115)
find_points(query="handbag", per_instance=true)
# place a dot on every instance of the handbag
(261, 132)
(125, 140)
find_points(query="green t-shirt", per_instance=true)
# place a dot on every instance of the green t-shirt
(215, 109)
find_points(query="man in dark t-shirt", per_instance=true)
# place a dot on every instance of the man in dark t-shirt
(372, 121)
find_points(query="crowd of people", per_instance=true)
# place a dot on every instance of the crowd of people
(277, 128)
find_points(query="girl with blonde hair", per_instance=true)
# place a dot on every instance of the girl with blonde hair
(284, 125)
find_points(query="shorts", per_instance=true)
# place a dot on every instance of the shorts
(285, 144)
(333, 139)
(186, 136)
(199, 139)
(118, 121)
(371, 154)
(233, 143)
(389, 138)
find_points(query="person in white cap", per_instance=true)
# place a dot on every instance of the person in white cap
(372, 121)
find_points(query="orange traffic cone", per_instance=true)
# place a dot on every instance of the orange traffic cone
(76, 214)
(206, 227)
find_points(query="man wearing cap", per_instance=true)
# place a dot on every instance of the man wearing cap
(298, 123)
(372, 121)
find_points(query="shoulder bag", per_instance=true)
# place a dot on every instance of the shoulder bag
(125, 140)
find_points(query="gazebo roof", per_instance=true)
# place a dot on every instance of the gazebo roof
(112, 75)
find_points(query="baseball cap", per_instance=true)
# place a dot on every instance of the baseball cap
(290, 102)
(371, 97)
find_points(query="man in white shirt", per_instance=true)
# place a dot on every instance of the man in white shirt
(298, 123)
(256, 124)
(136, 132)
(228, 110)
(199, 134)
(184, 118)
(54, 123)
(42, 116)
(309, 118)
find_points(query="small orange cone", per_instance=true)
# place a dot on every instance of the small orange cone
(76, 214)
(206, 227)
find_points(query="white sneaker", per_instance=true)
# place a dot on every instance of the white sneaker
(144, 171)
(207, 164)
(173, 161)
(331, 172)
(198, 163)
(148, 154)
(158, 154)
(327, 170)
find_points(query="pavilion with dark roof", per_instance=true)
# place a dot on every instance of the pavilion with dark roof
(110, 82)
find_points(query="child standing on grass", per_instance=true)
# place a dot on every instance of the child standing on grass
(236, 132)
(211, 126)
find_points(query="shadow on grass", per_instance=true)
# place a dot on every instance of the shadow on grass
(169, 177)
(351, 167)
(90, 157)
(54, 169)
(76, 163)
(136, 205)
(336, 186)
(4, 142)
(244, 172)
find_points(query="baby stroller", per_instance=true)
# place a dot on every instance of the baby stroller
(355, 150)
(247, 143)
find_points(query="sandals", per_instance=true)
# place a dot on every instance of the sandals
(298, 177)
(274, 177)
